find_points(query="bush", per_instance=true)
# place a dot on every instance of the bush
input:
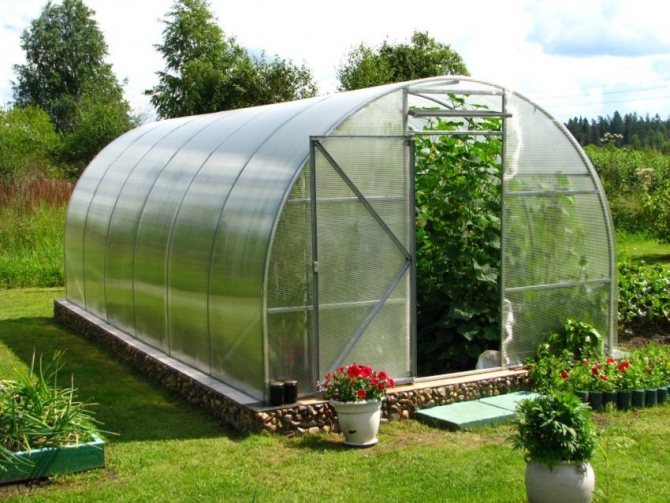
(554, 428)
(644, 296)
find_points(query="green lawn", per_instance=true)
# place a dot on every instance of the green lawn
(642, 247)
(168, 451)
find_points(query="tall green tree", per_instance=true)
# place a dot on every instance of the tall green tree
(65, 55)
(422, 57)
(205, 71)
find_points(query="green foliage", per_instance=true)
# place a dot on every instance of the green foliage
(579, 339)
(458, 198)
(101, 115)
(65, 52)
(422, 57)
(355, 383)
(554, 428)
(644, 295)
(207, 72)
(27, 142)
(546, 371)
(32, 219)
(629, 130)
(36, 412)
(637, 188)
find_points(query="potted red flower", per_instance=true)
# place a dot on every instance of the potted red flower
(356, 392)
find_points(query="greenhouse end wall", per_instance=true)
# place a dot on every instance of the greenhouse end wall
(220, 240)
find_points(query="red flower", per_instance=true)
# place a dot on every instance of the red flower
(391, 382)
(565, 374)
(354, 371)
(381, 386)
(361, 394)
(594, 370)
(383, 375)
(604, 377)
(611, 360)
(366, 371)
(623, 366)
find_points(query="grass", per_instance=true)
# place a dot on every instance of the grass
(32, 220)
(166, 450)
(644, 247)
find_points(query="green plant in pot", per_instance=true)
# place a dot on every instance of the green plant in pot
(558, 437)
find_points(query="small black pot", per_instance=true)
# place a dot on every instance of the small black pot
(609, 397)
(650, 397)
(662, 395)
(623, 400)
(290, 391)
(637, 399)
(583, 395)
(276, 393)
(596, 400)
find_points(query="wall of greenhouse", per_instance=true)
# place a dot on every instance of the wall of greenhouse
(278, 242)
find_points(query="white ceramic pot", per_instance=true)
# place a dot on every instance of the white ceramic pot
(359, 421)
(564, 482)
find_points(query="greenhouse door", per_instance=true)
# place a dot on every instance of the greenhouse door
(363, 252)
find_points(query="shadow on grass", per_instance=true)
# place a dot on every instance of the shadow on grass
(321, 443)
(127, 402)
(653, 258)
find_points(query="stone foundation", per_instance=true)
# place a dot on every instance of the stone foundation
(311, 416)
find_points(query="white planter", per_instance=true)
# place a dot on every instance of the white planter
(573, 482)
(359, 421)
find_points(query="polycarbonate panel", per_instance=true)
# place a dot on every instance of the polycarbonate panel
(289, 292)
(152, 243)
(103, 203)
(120, 246)
(535, 144)
(358, 260)
(558, 249)
(384, 116)
(554, 238)
(530, 316)
(78, 207)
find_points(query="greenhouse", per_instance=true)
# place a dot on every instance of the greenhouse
(279, 242)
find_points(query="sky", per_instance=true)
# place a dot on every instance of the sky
(572, 57)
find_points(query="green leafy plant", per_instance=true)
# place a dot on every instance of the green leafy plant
(554, 428)
(458, 204)
(35, 412)
(579, 338)
(355, 383)
(644, 295)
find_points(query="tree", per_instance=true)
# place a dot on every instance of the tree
(423, 57)
(65, 53)
(207, 72)
(27, 141)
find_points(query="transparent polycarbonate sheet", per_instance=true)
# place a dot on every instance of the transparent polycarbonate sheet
(289, 292)
(554, 238)
(359, 261)
(124, 221)
(386, 344)
(98, 217)
(534, 314)
(153, 241)
(558, 250)
(78, 210)
(535, 144)
(384, 116)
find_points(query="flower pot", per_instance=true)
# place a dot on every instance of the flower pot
(609, 397)
(596, 400)
(661, 395)
(623, 400)
(650, 397)
(637, 399)
(573, 482)
(583, 395)
(49, 461)
(359, 421)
